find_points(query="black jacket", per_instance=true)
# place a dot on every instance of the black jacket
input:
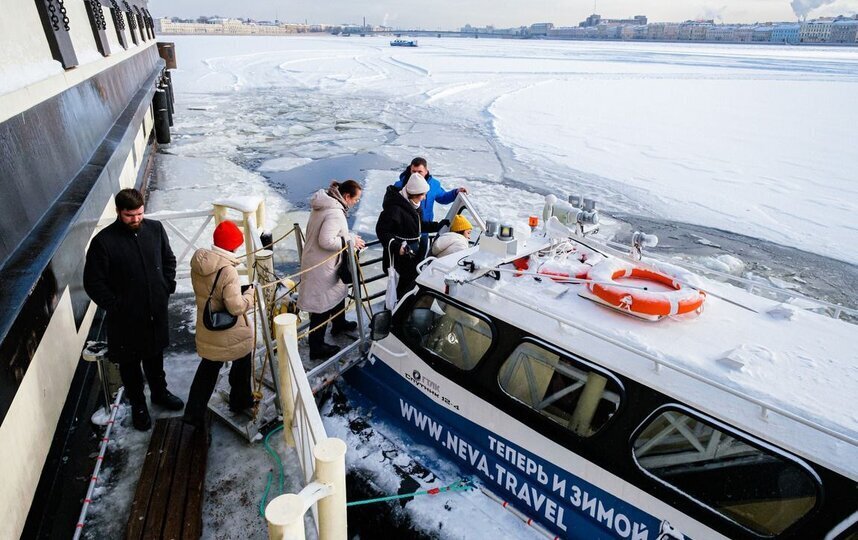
(131, 276)
(399, 221)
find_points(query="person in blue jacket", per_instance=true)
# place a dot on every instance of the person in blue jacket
(436, 192)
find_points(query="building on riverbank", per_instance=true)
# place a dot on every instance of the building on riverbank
(840, 30)
(249, 27)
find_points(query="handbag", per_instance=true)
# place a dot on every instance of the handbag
(343, 270)
(217, 320)
(390, 296)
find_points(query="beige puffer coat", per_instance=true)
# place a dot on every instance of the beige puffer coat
(449, 242)
(235, 342)
(321, 289)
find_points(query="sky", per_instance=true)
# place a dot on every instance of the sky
(451, 14)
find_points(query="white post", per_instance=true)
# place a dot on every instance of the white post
(286, 328)
(330, 457)
(265, 259)
(249, 243)
(260, 215)
(219, 214)
(285, 516)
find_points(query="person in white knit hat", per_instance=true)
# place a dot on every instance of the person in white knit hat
(436, 193)
(399, 228)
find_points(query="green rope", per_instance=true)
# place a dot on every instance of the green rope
(459, 485)
(264, 501)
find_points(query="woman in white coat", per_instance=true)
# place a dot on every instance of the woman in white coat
(321, 293)
(455, 240)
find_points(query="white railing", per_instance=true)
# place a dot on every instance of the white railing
(302, 423)
(189, 244)
(322, 459)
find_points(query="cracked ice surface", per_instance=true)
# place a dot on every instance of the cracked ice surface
(706, 134)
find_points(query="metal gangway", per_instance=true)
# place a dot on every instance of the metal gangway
(284, 385)
(285, 388)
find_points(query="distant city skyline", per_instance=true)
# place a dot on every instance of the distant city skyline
(450, 14)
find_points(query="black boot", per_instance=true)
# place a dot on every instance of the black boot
(167, 400)
(345, 326)
(140, 416)
(323, 351)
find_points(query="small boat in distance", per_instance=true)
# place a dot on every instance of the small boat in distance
(403, 43)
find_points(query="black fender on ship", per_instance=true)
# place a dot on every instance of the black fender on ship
(161, 110)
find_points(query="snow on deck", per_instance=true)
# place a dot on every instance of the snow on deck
(781, 356)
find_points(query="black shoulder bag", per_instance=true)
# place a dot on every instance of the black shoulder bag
(343, 270)
(217, 320)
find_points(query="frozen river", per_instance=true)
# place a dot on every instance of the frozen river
(745, 142)
(740, 158)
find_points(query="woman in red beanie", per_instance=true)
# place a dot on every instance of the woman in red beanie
(213, 273)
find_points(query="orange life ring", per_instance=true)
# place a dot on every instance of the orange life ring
(682, 299)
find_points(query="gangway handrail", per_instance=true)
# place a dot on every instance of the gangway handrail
(463, 201)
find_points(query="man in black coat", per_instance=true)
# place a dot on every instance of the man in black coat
(130, 272)
(400, 227)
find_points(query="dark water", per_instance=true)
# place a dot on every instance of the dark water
(384, 519)
(299, 183)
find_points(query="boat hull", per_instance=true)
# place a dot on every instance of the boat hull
(546, 482)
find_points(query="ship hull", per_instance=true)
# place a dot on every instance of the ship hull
(63, 159)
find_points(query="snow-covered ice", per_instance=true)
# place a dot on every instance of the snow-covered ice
(753, 140)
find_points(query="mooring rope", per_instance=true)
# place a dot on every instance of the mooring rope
(264, 501)
(289, 277)
(462, 484)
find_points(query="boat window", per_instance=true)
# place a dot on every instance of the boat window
(446, 331)
(575, 396)
(757, 488)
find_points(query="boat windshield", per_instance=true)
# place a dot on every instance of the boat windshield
(446, 331)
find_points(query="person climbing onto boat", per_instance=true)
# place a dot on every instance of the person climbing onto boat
(400, 226)
(436, 192)
(215, 280)
(130, 272)
(455, 240)
(321, 293)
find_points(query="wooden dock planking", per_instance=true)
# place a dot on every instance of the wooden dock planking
(143, 493)
(175, 519)
(193, 526)
(168, 499)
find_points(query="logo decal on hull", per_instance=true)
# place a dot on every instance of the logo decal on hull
(564, 501)
(429, 386)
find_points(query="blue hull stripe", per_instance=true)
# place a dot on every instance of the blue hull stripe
(556, 498)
